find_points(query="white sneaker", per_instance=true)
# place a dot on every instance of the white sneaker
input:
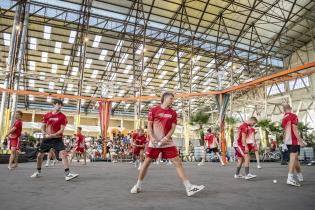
(169, 163)
(300, 177)
(10, 168)
(194, 189)
(240, 176)
(250, 176)
(53, 163)
(135, 189)
(258, 166)
(71, 176)
(36, 175)
(293, 182)
(201, 164)
(47, 164)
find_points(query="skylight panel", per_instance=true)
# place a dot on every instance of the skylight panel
(97, 40)
(33, 43)
(161, 64)
(7, 39)
(47, 31)
(118, 45)
(51, 85)
(66, 61)
(180, 54)
(31, 83)
(124, 57)
(159, 53)
(58, 47)
(102, 55)
(32, 65)
(74, 71)
(88, 63)
(127, 69)
(54, 68)
(69, 87)
(94, 74)
(72, 37)
(44, 57)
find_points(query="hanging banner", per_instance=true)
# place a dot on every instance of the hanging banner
(104, 111)
(222, 101)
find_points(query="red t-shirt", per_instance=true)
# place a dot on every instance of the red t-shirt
(139, 139)
(243, 129)
(80, 140)
(54, 121)
(288, 120)
(18, 130)
(273, 144)
(162, 123)
(210, 138)
(250, 137)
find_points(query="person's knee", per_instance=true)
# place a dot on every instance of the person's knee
(176, 161)
(63, 154)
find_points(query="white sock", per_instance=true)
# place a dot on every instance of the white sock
(220, 158)
(187, 184)
(290, 176)
(258, 162)
(139, 183)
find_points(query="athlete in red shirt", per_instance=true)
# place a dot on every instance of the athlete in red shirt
(293, 141)
(53, 126)
(79, 148)
(242, 149)
(14, 140)
(211, 145)
(161, 126)
(139, 141)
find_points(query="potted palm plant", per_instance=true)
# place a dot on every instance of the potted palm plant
(264, 130)
(306, 134)
(230, 123)
(199, 118)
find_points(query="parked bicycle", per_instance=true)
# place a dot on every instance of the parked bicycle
(271, 155)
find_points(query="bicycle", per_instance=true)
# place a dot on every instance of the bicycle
(271, 155)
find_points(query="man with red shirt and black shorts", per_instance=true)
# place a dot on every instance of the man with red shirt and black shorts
(242, 148)
(211, 145)
(292, 142)
(14, 140)
(54, 123)
(139, 141)
(162, 121)
(79, 149)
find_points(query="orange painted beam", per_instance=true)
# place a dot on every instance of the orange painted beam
(251, 84)
(270, 77)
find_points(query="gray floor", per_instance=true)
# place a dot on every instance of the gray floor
(107, 185)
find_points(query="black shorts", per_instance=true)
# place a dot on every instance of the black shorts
(209, 150)
(47, 144)
(294, 148)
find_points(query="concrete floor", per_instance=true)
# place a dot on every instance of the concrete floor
(106, 186)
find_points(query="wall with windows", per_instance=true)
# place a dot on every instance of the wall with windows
(266, 102)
